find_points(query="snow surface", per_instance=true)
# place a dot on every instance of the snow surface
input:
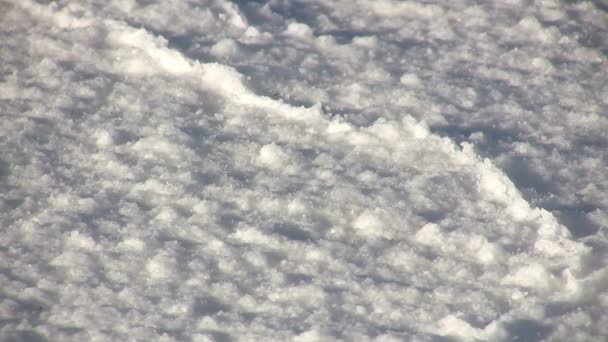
(303, 170)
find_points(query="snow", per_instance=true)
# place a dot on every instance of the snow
(303, 170)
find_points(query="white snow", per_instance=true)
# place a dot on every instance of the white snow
(303, 170)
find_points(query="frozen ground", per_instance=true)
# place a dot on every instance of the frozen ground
(303, 170)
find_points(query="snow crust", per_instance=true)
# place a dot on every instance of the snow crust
(303, 170)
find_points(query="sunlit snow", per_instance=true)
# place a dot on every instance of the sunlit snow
(303, 170)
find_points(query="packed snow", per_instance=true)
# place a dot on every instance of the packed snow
(303, 170)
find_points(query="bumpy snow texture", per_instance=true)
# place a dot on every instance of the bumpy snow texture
(293, 170)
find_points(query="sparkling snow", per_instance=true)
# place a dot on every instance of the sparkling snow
(291, 170)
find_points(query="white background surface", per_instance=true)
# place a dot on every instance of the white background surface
(303, 170)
